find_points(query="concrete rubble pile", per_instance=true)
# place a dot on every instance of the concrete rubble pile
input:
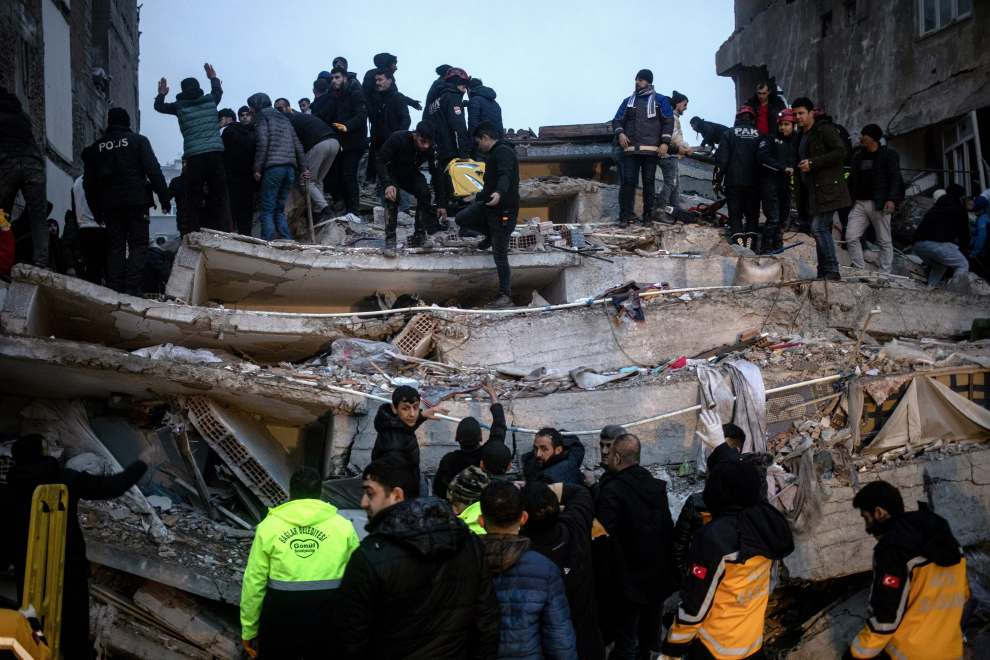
(265, 357)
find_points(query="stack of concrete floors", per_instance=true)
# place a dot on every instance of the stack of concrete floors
(236, 353)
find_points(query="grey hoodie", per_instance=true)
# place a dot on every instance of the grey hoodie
(277, 143)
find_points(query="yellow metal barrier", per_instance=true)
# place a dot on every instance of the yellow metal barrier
(45, 565)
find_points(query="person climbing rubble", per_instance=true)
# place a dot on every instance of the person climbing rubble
(739, 171)
(555, 458)
(297, 559)
(919, 581)
(464, 495)
(468, 436)
(396, 424)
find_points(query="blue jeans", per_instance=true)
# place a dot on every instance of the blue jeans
(940, 257)
(669, 194)
(276, 182)
(821, 231)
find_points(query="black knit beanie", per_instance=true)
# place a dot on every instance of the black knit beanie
(677, 97)
(873, 131)
(118, 117)
(645, 74)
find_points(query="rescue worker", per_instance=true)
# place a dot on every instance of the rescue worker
(737, 161)
(446, 113)
(398, 165)
(786, 132)
(118, 168)
(771, 156)
(296, 563)
(919, 581)
(727, 578)
(464, 495)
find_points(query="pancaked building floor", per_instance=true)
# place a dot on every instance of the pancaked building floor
(263, 357)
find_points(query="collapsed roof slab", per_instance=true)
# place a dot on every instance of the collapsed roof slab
(248, 273)
(588, 337)
(41, 303)
(956, 487)
(58, 369)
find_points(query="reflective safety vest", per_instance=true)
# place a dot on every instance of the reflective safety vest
(470, 516)
(297, 559)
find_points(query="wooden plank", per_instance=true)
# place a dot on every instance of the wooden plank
(574, 131)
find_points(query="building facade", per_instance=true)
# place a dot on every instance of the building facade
(918, 68)
(69, 62)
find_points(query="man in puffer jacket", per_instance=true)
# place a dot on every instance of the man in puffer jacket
(202, 147)
(555, 458)
(536, 619)
(482, 106)
(277, 155)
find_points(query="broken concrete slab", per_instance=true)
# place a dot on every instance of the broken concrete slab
(53, 368)
(189, 618)
(247, 273)
(956, 487)
(41, 303)
(830, 636)
(588, 337)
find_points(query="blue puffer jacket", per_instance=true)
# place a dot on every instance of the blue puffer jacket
(564, 467)
(197, 114)
(482, 106)
(536, 620)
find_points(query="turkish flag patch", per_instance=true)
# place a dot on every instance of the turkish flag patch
(457, 109)
(891, 581)
(699, 571)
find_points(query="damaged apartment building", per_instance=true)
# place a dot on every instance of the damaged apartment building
(262, 357)
(917, 68)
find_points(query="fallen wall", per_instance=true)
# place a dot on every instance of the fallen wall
(41, 303)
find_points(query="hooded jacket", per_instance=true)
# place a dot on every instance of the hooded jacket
(646, 133)
(774, 105)
(632, 507)
(157, 270)
(536, 620)
(446, 113)
(564, 467)
(946, 222)
(350, 108)
(296, 563)
(395, 438)
(400, 159)
(120, 169)
(388, 113)
(502, 177)
(417, 588)
(482, 106)
(197, 115)
(824, 186)
(568, 545)
(918, 593)
(16, 137)
(737, 156)
(453, 462)
(383, 61)
(276, 143)
(887, 182)
(238, 152)
(710, 132)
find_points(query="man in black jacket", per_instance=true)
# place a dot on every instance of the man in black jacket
(710, 132)
(418, 587)
(321, 97)
(737, 159)
(157, 268)
(390, 63)
(766, 106)
(117, 170)
(387, 113)
(238, 163)
(319, 142)
(446, 113)
(398, 170)
(559, 526)
(774, 173)
(22, 169)
(33, 468)
(788, 135)
(942, 238)
(495, 209)
(875, 188)
(347, 112)
(468, 436)
(632, 507)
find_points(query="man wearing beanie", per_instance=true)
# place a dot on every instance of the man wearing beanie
(875, 186)
(117, 169)
(679, 148)
(464, 495)
(202, 148)
(469, 438)
(644, 130)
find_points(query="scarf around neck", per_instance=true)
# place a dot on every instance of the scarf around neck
(651, 103)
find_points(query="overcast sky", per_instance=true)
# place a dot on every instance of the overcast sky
(550, 61)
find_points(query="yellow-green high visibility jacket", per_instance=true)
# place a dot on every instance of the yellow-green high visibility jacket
(297, 559)
(470, 516)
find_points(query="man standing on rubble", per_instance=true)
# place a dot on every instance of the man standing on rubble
(33, 467)
(118, 169)
(388, 113)
(399, 161)
(644, 131)
(632, 507)
(347, 111)
(821, 181)
(238, 162)
(446, 113)
(774, 173)
(942, 238)
(418, 587)
(787, 135)
(320, 145)
(875, 187)
(555, 458)
(278, 153)
(919, 581)
(679, 148)
(496, 208)
(767, 106)
(468, 436)
(297, 559)
(737, 161)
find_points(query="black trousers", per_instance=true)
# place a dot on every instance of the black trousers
(770, 201)
(784, 204)
(27, 175)
(93, 245)
(207, 168)
(632, 166)
(241, 194)
(415, 184)
(497, 225)
(637, 625)
(343, 180)
(743, 201)
(127, 245)
(448, 183)
(75, 642)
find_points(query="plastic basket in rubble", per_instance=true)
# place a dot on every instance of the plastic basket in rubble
(416, 338)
